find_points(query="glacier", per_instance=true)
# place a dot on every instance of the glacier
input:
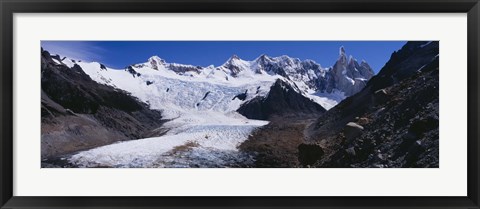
(200, 103)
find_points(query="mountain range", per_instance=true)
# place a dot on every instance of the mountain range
(134, 102)
(267, 112)
(325, 86)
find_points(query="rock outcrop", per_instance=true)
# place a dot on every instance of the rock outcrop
(79, 113)
(282, 100)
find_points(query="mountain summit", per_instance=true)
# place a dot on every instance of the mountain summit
(349, 76)
(346, 75)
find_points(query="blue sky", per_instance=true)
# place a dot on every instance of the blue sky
(119, 54)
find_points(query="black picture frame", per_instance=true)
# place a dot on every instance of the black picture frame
(10, 7)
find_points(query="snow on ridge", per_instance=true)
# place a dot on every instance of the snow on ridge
(202, 112)
(327, 100)
(157, 78)
(423, 45)
(173, 93)
(201, 105)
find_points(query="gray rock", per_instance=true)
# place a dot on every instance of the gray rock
(351, 151)
(381, 156)
(352, 130)
(381, 96)
(350, 76)
(363, 121)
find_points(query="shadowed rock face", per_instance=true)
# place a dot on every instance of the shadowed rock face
(282, 100)
(398, 111)
(78, 113)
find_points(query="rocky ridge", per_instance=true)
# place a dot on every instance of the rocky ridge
(79, 113)
(392, 122)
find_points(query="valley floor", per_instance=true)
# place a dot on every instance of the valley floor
(199, 139)
(275, 145)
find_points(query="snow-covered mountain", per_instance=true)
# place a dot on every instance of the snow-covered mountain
(174, 87)
(211, 110)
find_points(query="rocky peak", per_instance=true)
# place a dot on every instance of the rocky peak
(263, 57)
(283, 99)
(233, 60)
(349, 76)
(235, 65)
(365, 64)
(155, 62)
(342, 57)
(156, 59)
(342, 51)
(234, 57)
(351, 60)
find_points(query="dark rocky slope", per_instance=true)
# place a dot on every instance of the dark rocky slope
(282, 100)
(392, 122)
(78, 113)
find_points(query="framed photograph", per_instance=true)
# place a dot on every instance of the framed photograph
(239, 104)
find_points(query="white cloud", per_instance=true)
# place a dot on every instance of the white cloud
(80, 50)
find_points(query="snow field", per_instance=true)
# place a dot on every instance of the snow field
(221, 139)
(204, 127)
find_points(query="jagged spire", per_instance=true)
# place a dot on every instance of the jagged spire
(342, 55)
(352, 61)
(342, 51)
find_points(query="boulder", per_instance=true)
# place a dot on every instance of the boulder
(309, 154)
(381, 96)
(352, 130)
(413, 154)
(351, 151)
(423, 125)
(363, 121)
